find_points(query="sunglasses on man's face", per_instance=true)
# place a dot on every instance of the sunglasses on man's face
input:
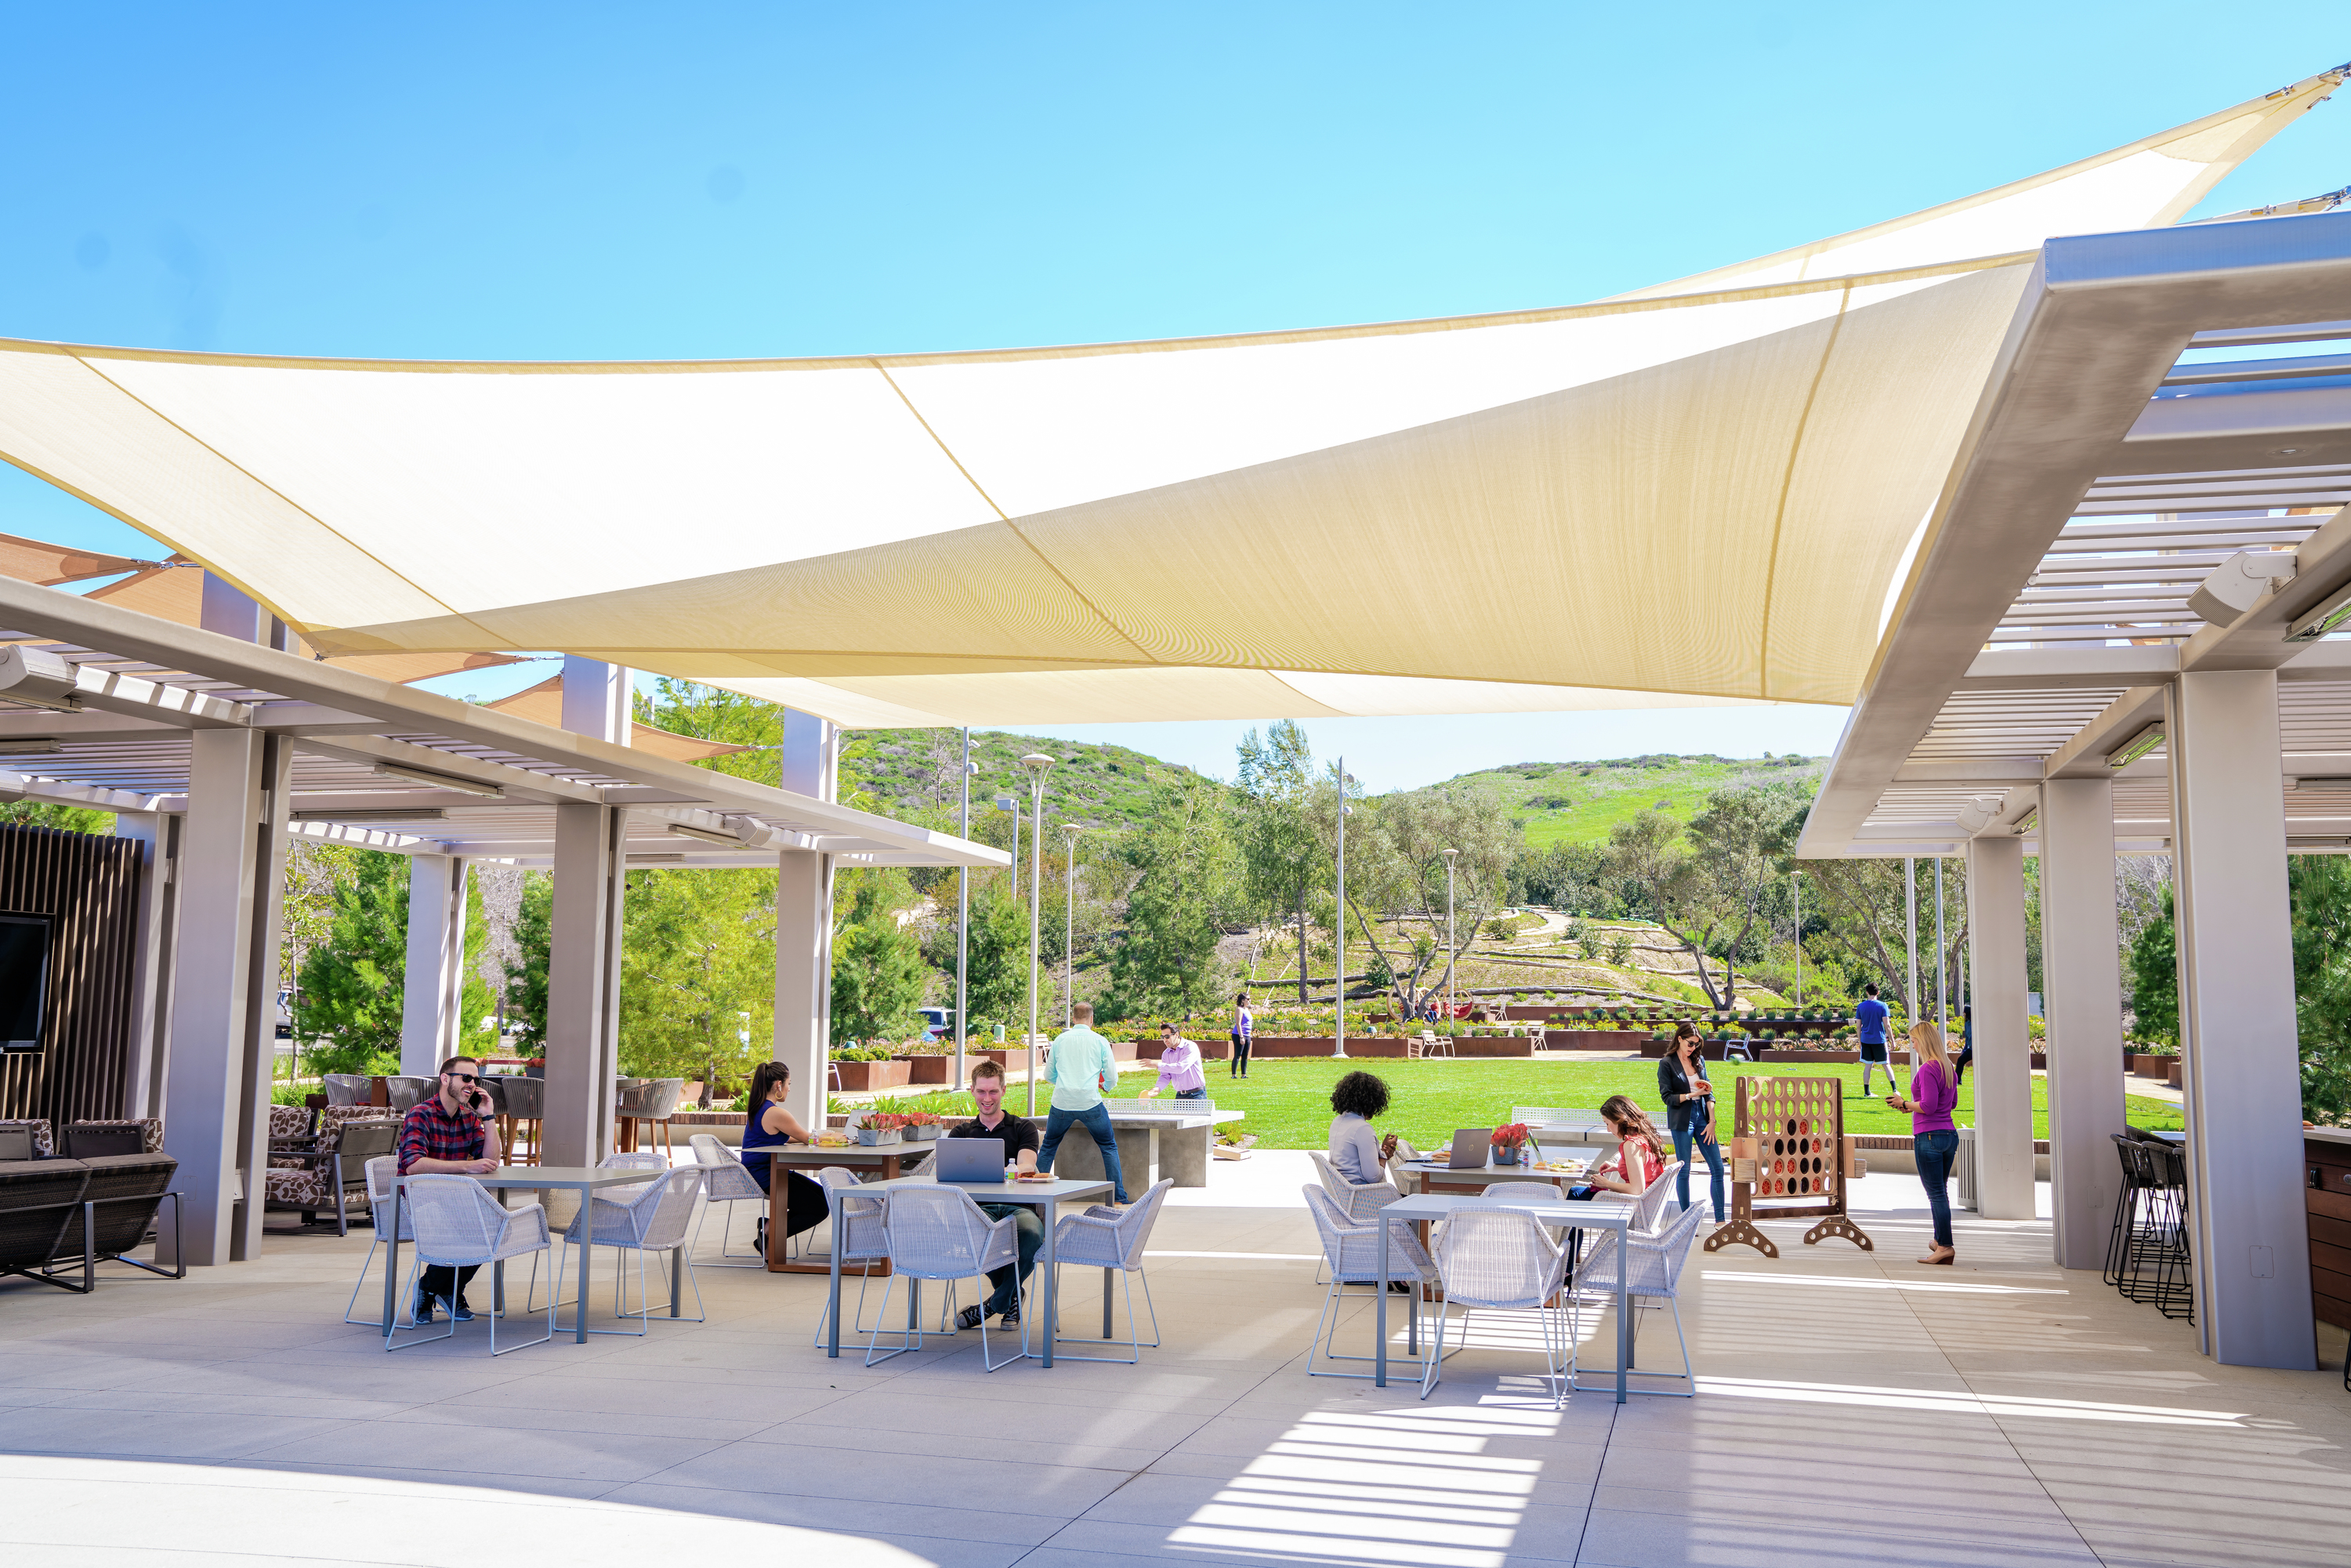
(461, 1077)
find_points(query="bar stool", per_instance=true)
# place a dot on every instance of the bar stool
(2173, 1288)
(2129, 1201)
(526, 1102)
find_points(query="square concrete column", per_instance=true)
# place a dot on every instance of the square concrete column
(596, 699)
(2080, 967)
(223, 998)
(156, 943)
(806, 764)
(2238, 1038)
(430, 1026)
(583, 983)
(2003, 1064)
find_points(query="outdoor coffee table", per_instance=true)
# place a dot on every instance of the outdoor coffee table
(1043, 1196)
(1596, 1214)
(581, 1179)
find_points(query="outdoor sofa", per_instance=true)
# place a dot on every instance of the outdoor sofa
(56, 1213)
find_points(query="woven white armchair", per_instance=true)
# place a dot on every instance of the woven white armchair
(1356, 1200)
(858, 1233)
(725, 1184)
(380, 1172)
(1112, 1239)
(458, 1224)
(1502, 1259)
(1352, 1253)
(1654, 1265)
(939, 1233)
(649, 1218)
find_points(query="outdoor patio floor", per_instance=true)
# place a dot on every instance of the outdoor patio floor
(1854, 1408)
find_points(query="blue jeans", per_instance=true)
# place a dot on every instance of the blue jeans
(1935, 1152)
(1095, 1119)
(1028, 1234)
(1713, 1151)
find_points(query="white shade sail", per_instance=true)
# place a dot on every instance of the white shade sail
(1696, 494)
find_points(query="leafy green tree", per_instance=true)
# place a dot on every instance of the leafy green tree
(1281, 854)
(1189, 882)
(877, 980)
(351, 983)
(2321, 887)
(55, 814)
(1397, 867)
(527, 974)
(997, 961)
(698, 972)
(2154, 979)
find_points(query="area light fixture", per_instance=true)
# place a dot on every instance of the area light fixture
(38, 678)
(2136, 747)
(438, 780)
(706, 835)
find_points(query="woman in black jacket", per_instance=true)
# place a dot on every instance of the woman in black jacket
(1689, 1111)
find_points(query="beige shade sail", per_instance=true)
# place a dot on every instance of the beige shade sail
(543, 703)
(1701, 492)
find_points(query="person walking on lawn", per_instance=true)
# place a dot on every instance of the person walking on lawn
(1083, 1068)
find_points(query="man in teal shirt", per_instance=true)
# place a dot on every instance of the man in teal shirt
(1082, 1068)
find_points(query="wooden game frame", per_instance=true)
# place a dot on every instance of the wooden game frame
(1790, 1144)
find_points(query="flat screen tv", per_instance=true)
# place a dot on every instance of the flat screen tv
(24, 980)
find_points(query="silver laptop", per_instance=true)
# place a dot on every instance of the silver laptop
(1471, 1146)
(968, 1160)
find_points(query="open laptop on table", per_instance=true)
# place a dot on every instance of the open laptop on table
(970, 1160)
(1471, 1148)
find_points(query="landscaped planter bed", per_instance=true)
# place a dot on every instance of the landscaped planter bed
(862, 1077)
(1321, 1045)
(2152, 1066)
(1489, 1045)
(930, 1070)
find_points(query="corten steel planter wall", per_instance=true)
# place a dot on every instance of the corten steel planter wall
(858, 1077)
(88, 885)
(1320, 1045)
(928, 1069)
(1489, 1045)
(2152, 1066)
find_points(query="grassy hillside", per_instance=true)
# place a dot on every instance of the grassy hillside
(1578, 802)
(911, 773)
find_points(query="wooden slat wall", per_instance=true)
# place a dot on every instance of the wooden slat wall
(89, 883)
(2328, 1200)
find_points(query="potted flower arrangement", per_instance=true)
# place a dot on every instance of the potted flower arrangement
(1507, 1141)
(919, 1126)
(881, 1131)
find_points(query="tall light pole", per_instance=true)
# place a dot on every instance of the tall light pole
(1070, 926)
(1037, 763)
(1012, 803)
(1339, 932)
(1910, 904)
(1942, 1002)
(1796, 892)
(963, 920)
(1450, 856)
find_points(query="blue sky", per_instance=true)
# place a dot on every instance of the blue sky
(604, 181)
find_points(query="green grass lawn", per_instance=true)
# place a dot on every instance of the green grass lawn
(1288, 1100)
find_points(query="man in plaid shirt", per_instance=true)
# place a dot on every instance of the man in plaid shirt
(454, 1133)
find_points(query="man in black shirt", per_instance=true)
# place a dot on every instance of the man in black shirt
(1020, 1142)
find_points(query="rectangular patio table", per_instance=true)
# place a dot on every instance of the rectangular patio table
(581, 1179)
(1595, 1214)
(866, 1159)
(1042, 1195)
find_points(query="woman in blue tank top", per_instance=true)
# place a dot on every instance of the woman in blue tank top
(768, 1126)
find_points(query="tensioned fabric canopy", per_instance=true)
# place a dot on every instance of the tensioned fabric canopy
(1697, 493)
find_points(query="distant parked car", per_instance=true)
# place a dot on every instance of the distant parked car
(935, 1022)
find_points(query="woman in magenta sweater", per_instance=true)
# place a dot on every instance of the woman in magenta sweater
(1934, 1141)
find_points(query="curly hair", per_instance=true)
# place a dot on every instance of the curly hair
(1360, 1092)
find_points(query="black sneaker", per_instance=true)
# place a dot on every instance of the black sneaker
(422, 1313)
(461, 1311)
(1011, 1314)
(969, 1317)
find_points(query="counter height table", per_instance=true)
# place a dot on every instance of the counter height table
(1044, 1196)
(585, 1180)
(1596, 1214)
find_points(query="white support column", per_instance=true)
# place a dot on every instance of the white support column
(803, 975)
(430, 1026)
(2003, 1065)
(158, 834)
(2080, 965)
(2239, 1036)
(583, 970)
(583, 977)
(596, 699)
(808, 765)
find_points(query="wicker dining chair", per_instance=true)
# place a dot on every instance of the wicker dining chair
(1352, 1252)
(1653, 1266)
(650, 1218)
(725, 1184)
(939, 1233)
(1113, 1238)
(1501, 1258)
(525, 1099)
(380, 1171)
